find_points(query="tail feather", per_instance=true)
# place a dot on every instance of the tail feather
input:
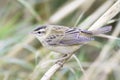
(102, 30)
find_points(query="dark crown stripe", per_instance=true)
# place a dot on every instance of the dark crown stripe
(41, 27)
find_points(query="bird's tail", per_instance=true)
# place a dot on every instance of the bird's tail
(102, 30)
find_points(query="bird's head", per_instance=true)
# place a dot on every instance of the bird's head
(40, 31)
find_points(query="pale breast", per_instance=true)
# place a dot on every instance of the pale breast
(60, 48)
(63, 49)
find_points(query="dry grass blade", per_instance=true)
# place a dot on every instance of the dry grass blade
(68, 9)
(59, 15)
(109, 14)
(95, 15)
(104, 53)
(18, 49)
(30, 9)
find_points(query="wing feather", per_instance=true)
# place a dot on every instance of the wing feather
(68, 36)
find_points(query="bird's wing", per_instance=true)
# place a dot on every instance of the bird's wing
(76, 36)
(69, 36)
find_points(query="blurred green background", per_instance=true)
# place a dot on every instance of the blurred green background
(23, 58)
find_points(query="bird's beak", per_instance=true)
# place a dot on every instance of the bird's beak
(32, 32)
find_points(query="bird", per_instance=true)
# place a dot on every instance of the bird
(63, 39)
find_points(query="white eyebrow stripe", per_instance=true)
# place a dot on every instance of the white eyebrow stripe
(42, 30)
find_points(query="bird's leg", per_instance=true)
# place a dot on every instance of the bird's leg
(65, 56)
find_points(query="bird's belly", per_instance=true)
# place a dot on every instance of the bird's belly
(64, 49)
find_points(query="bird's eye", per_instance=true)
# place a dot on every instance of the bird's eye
(39, 32)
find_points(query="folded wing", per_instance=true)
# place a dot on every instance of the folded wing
(71, 37)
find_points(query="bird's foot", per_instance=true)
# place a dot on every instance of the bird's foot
(64, 57)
